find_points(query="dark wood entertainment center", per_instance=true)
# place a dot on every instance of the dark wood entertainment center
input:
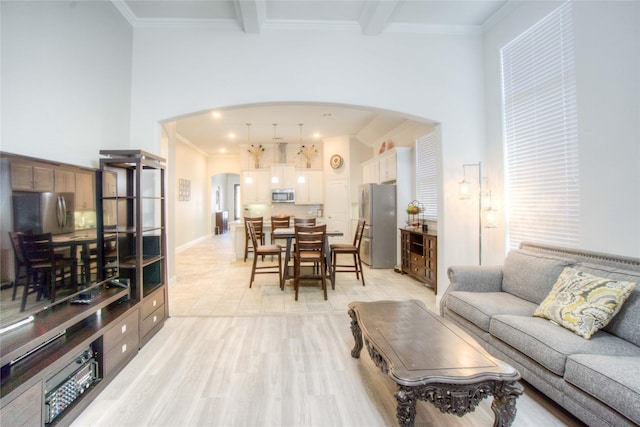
(79, 348)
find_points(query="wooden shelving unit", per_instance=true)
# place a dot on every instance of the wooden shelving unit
(141, 231)
(420, 256)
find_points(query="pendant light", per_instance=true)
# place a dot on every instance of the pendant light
(274, 177)
(301, 176)
(248, 179)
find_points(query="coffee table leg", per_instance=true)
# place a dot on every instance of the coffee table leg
(406, 410)
(504, 402)
(357, 334)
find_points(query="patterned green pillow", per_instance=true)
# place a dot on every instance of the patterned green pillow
(583, 303)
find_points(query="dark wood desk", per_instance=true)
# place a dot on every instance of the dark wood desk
(289, 234)
(433, 360)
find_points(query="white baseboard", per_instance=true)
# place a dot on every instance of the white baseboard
(192, 243)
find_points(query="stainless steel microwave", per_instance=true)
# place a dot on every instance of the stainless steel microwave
(283, 196)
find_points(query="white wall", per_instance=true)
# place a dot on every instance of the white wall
(192, 217)
(66, 79)
(607, 43)
(177, 71)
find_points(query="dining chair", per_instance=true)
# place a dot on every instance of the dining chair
(259, 249)
(19, 262)
(310, 249)
(347, 249)
(44, 267)
(258, 228)
(279, 222)
(304, 221)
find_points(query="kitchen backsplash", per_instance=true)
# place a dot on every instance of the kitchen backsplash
(85, 219)
(300, 211)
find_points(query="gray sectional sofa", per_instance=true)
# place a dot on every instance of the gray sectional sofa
(597, 380)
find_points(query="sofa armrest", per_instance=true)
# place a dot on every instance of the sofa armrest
(472, 278)
(475, 278)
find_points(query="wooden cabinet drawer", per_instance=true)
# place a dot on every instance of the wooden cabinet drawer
(417, 259)
(26, 409)
(122, 331)
(149, 322)
(418, 270)
(152, 302)
(125, 348)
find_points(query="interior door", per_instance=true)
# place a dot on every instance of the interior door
(336, 208)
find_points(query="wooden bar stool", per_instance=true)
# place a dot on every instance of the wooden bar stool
(257, 227)
(278, 222)
(262, 250)
(346, 249)
(44, 268)
(310, 248)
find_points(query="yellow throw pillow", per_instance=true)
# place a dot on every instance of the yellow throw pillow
(583, 303)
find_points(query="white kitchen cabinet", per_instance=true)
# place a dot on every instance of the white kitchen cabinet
(371, 171)
(309, 187)
(255, 185)
(85, 191)
(383, 168)
(283, 176)
(388, 166)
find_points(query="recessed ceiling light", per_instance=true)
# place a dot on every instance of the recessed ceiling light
(316, 135)
(231, 135)
(215, 114)
(223, 150)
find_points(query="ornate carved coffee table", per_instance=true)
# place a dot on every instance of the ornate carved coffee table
(433, 360)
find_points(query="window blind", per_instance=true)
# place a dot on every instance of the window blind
(540, 133)
(427, 174)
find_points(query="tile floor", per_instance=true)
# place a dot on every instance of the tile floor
(210, 282)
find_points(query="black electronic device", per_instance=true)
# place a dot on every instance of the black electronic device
(62, 389)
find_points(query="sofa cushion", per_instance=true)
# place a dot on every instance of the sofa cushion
(550, 344)
(531, 275)
(625, 324)
(582, 302)
(614, 380)
(478, 307)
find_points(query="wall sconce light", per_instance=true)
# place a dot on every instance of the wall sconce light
(490, 218)
(464, 193)
(489, 211)
(464, 190)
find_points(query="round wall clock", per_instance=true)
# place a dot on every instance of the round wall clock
(336, 161)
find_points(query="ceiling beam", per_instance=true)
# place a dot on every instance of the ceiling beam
(252, 14)
(375, 15)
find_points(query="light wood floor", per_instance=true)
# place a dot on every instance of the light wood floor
(253, 358)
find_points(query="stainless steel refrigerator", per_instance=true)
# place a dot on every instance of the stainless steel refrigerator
(43, 212)
(377, 206)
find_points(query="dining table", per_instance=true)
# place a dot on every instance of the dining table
(84, 240)
(290, 234)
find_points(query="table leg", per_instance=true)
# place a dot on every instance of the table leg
(357, 334)
(327, 262)
(86, 260)
(406, 409)
(287, 257)
(504, 402)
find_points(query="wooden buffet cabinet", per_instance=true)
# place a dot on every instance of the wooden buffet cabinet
(420, 256)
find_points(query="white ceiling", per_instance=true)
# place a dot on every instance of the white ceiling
(226, 133)
(371, 17)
